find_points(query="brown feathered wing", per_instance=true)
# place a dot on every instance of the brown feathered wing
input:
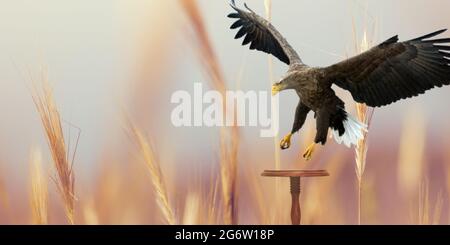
(394, 70)
(262, 35)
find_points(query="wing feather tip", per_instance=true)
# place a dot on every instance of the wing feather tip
(433, 34)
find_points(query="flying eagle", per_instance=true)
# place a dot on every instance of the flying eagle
(384, 74)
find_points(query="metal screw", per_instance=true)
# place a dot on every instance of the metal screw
(295, 176)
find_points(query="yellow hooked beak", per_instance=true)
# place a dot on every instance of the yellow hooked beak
(276, 88)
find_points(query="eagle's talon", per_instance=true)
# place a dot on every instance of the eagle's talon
(309, 152)
(285, 143)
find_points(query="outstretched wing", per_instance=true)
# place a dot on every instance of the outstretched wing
(394, 70)
(262, 35)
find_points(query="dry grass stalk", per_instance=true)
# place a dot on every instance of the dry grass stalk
(201, 206)
(51, 121)
(157, 180)
(364, 114)
(39, 190)
(192, 209)
(228, 174)
(427, 215)
(205, 48)
(212, 203)
(229, 137)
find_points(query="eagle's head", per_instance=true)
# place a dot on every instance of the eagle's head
(286, 82)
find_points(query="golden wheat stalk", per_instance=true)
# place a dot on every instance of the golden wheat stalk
(364, 114)
(229, 138)
(51, 121)
(157, 180)
(39, 189)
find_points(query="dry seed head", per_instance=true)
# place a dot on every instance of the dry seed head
(65, 181)
(154, 169)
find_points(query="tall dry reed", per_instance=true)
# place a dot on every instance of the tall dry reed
(364, 115)
(39, 189)
(229, 137)
(155, 172)
(65, 180)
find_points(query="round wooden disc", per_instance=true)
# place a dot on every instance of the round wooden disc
(295, 173)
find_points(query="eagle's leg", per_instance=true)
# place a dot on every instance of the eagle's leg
(322, 124)
(300, 116)
(286, 142)
(309, 152)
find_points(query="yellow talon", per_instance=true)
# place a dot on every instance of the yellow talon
(286, 142)
(309, 152)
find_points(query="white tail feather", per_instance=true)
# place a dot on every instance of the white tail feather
(354, 131)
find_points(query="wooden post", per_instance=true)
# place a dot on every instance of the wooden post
(295, 176)
(296, 214)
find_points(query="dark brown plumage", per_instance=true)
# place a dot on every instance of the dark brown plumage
(384, 74)
(392, 71)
